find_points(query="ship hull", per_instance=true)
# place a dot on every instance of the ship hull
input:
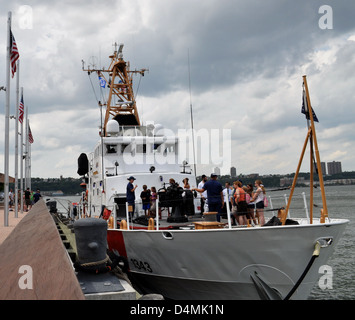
(226, 264)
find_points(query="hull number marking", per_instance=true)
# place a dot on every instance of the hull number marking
(141, 265)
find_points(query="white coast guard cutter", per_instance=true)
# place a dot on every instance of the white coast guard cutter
(185, 258)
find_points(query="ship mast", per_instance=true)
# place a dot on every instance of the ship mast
(121, 104)
(312, 138)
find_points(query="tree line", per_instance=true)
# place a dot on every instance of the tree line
(71, 186)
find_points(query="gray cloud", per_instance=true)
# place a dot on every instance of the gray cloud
(247, 59)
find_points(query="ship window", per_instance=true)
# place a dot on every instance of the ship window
(170, 148)
(126, 148)
(141, 148)
(165, 148)
(111, 148)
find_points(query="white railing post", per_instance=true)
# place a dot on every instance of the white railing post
(127, 215)
(115, 217)
(78, 209)
(271, 206)
(228, 214)
(157, 211)
(305, 205)
(289, 213)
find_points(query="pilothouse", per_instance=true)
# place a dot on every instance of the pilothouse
(149, 152)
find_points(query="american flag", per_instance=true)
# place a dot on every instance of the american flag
(21, 110)
(30, 137)
(14, 54)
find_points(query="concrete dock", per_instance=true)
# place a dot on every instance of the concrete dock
(5, 231)
(13, 222)
(34, 262)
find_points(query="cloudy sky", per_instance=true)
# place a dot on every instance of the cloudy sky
(247, 59)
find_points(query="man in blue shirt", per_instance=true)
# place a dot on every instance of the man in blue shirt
(130, 195)
(214, 195)
(37, 196)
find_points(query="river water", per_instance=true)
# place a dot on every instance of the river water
(341, 204)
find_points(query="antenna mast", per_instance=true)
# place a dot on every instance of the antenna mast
(121, 104)
(191, 114)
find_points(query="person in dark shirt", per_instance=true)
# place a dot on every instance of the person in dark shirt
(130, 195)
(36, 196)
(145, 196)
(28, 203)
(214, 195)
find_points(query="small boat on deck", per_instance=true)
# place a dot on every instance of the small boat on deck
(179, 254)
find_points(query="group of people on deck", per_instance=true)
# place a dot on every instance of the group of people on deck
(242, 200)
(148, 197)
(246, 205)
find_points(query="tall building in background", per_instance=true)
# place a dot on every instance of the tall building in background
(217, 171)
(233, 172)
(324, 170)
(334, 167)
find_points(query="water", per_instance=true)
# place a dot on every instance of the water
(63, 202)
(341, 204)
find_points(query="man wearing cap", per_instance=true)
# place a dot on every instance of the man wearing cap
(130, 195)
(214, 195)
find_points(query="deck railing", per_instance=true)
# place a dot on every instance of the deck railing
(275, 203)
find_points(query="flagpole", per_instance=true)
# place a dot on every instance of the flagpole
(16, 136)
(26, 151)
(29, 158)
(319, 167)
(21, 160)
(7, 125)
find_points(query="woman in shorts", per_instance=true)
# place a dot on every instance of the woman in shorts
(258, 199)
(251, 205)
(242, 207)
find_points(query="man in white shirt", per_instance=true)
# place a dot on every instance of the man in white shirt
(227, 192)
(203, 194)
(227, 195)
(11, 200)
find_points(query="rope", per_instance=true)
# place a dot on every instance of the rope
(139, 83)
(276, 209)
(93, 89)
(95, 263)
(309, 265)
